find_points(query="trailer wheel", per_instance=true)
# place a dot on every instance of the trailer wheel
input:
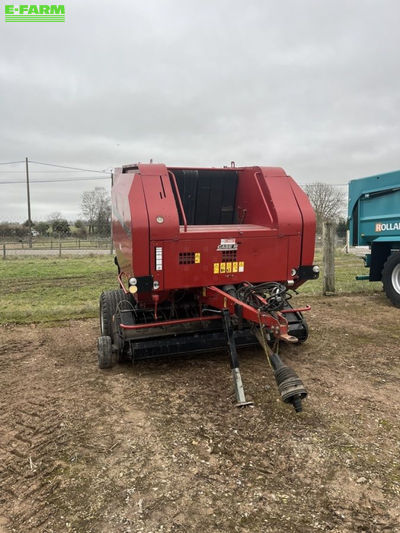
(104, 350)
(302, 335)
(391, 278)
(109, 301)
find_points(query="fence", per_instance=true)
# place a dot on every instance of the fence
(57, 247)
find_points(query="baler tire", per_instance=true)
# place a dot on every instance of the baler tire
(391, 278)
(304, 336)
(109, 301)
(104, 352)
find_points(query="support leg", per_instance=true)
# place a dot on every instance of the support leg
(237, 378)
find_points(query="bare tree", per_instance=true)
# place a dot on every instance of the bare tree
(96, 209)
(53, 217)
(327, 201)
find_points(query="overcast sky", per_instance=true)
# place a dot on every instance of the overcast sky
(312, 86)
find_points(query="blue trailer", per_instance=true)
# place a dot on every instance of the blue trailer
(374, 221)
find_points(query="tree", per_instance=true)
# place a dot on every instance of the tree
(327, 201)
(42, 228)
(80, 229)
(53, 217)
(61, 227)
(103, 221)
(13, 230)
(79, 223)
(96, 207)
(341, 228)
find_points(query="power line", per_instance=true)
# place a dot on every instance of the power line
(43, 171)
(56, 181)
(12, 162)
(63, 166)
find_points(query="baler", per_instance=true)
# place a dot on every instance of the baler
(374, 221)
(206, 258)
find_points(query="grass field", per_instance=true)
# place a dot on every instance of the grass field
(53, 289)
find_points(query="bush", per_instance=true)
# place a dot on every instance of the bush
(13, 230)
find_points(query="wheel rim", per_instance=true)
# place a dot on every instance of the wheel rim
(396, 278)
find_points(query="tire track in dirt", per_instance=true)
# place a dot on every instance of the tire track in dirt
(31, 431)
(27, 462)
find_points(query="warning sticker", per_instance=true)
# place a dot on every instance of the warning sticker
(197, 257)
(228, 268)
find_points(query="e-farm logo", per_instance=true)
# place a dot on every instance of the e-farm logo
(34, 13)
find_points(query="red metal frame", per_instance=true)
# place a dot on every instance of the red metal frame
(297, 309)
(213, 296)
(120, 275)
(221, 300)
(262, 196)
(171, 322)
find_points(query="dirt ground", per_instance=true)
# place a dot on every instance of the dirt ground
(160, 447)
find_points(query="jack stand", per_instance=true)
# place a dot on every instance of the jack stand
(237, 378)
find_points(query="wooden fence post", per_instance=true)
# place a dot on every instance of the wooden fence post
(59, 249)
(4, 251)
(328, 238)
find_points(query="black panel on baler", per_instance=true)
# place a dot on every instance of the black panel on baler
(187, 184)
(208, 196)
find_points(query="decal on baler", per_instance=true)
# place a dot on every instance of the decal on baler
(228, 267)
(159, 258)
(227, 244)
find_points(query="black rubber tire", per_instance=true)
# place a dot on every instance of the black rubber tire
(104, 352)
(303, 336)
(109, 301)
(391, 278)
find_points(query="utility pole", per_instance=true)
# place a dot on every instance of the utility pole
(29, 204)
(111, 232)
